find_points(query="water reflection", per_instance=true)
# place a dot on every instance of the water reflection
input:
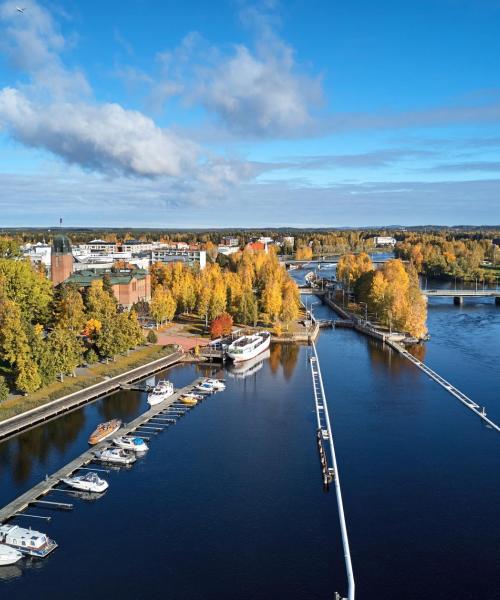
(286, 356)
(248, 368)
(9, 572)
(35, 446)
(123, 405)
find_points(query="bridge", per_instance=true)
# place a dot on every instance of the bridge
(459, 295)
(306, 263)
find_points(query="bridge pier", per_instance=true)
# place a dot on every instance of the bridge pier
(497, 300)
(458, 300)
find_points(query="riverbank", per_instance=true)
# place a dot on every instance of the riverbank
(35, 411)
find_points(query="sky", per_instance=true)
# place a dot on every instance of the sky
(233, 113)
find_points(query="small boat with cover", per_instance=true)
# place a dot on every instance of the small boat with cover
(116, 456)
(128, 442)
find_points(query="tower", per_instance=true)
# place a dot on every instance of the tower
(61, 259)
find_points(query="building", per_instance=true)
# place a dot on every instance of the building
(192, 257)
(256, 247)
(288, 240)
(129, 285)
(384, 241)
(230, 241)
(227, 250)
(128, 246)
(38, 254)
(61, 260)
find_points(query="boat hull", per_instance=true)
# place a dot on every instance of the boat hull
(85, 486)
(8, 555)
(99, 436)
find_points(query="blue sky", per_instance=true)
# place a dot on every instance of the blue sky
(236, 113)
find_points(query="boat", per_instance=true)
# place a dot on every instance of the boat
(128, 442)
(26, 541)
(90, 482)
(162, 390)
(189, 400)
(249, 346)
(218, 384)
(8, 555)
(117, 456)
(104, 430)
(205, 388)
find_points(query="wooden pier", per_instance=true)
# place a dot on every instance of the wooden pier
(35, 496)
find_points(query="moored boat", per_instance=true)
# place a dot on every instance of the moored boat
(218, 384)
(249, 346)
(116, 456)
(26, 541)
(104, 430)
(162, 390)
(8, 555)
(90, 482)
(189, 400)
(128, 442)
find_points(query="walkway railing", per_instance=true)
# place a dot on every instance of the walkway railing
(324, 426)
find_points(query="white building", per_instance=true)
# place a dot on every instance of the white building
(38, 254)
(227, 250)
(288, 240)
(230, 241)
(384, 241)
(190, 256)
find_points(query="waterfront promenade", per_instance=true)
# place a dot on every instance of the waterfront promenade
(50, 410)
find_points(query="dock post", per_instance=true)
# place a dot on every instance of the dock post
(458, 300)
(497, 300)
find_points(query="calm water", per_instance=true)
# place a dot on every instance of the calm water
(228, 503)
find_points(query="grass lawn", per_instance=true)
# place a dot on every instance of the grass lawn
(93, 374)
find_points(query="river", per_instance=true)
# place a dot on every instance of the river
(229, 504)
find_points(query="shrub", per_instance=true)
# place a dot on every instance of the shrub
(152, 337)
(91, 357)
(4, 389)
(221, 325)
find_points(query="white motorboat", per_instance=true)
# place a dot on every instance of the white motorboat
(162, 390)
(205, 388)
(90, 482)
(8, 555)
(117, 456)
(26, 541)
(217, 384)
(128, 442)
(249, 346)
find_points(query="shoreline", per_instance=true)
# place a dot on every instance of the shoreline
(45, 412)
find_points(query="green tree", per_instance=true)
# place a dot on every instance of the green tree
(29, 289)
(163, 305)
(248, 312)
(101, 305)
(152, 337)
(13, 339)
(66, 349)
(91, 356)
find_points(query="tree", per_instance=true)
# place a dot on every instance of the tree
(13, 339)
(101, 305)
(271, 300)
(28, 378)
(108, 342)
(91, 356)
(221, 325)
(70, 310)
(304, 253)
(30, 290)
(217, 300)
(4, 389)
(163, 305)
(92, 328)
(248, 312)
(66, 349)
(290, 304)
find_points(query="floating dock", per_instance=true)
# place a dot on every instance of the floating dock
(35, 496)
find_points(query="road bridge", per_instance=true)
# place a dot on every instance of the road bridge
(459, 295)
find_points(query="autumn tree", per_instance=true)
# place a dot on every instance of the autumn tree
(221, 325)
(163, 305)
(69, 309)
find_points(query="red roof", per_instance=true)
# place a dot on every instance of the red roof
(256, 246)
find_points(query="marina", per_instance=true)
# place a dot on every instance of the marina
(35, 495)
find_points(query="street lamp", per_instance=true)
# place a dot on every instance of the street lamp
(366, 311)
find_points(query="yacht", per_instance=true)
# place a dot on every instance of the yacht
(90, 482)
(249, 346)
(8, 555)
(26, 541)
(104, 430)
(162, 390)
(127, 442)
(205, 388)
(116, 455)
